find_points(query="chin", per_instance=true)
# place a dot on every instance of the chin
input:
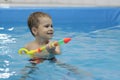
(50, 37)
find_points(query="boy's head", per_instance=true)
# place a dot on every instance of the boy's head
(35, 19)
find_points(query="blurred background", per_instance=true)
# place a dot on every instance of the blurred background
(59, 3)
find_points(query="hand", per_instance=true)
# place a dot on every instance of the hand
(51, 46)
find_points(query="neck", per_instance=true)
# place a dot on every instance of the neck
(42, 41)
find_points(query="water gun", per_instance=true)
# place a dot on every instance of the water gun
(31, 53)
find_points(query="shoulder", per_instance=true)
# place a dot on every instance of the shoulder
(29, 45)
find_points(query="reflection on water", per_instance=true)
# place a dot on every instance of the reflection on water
(27, 71)
(89, 56)
(30, 71)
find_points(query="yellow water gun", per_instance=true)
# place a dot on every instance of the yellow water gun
(31, 53)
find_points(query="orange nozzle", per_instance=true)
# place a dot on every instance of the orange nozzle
(66, 40)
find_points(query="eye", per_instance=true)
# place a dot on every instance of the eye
(51, 25)
(46, 26)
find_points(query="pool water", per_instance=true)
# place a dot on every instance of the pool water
(89, 56)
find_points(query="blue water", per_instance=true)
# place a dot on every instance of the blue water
(93, 53)
(90, 55)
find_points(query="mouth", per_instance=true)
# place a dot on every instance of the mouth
(50, 33)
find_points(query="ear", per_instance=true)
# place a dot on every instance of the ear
(34, 30)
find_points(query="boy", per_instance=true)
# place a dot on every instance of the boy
(40, 25)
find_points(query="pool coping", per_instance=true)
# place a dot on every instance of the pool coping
(8, 5)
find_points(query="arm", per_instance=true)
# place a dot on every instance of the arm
(57, 50)
(53, 49)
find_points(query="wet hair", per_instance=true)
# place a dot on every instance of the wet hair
(34, 19)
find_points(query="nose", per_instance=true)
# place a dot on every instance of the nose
(51, 28)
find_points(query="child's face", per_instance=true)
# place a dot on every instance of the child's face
(45, 29)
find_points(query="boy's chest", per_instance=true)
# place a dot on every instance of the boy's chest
(43, 54)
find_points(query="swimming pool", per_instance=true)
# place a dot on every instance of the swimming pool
(93, 53)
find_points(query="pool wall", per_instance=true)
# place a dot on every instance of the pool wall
(83, 18)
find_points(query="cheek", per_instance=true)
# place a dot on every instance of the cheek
(41, 32)
(44, 30)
